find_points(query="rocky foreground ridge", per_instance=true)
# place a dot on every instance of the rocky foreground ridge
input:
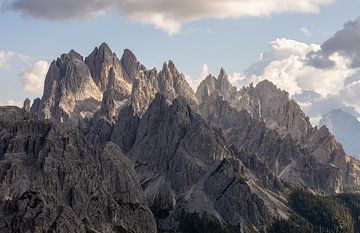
(115, 147)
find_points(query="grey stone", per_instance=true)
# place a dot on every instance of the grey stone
(53, 179)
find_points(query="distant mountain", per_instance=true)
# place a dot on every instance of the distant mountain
(346, 129)
(112, 146)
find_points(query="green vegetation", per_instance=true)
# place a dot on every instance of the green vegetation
(316, 214)
(352, 201)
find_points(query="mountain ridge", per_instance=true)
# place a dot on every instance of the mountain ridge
(218, 156)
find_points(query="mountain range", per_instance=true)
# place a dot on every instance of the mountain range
(113, 146)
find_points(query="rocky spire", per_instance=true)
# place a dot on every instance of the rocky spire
(68, 82)
(108, 108)
(221, 86)
(169, 82)
(26, 105)
(100, 62)
(131, 65)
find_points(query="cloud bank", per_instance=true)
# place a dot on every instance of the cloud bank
(168, 15)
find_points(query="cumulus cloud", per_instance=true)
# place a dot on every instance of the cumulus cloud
(345, 42)
(167, 15)
(4, 59)
(33, 77)
(280, 49)
(237, 79)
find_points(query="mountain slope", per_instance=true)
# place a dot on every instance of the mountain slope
(185, 165)
(272, 109)
(283, 156)
(52, 179)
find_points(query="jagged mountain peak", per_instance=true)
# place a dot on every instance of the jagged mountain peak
(220, 85)
(222, 74)
(102, 52)
(131, 64)
(100, 62)
(128, 55)
(169, 70)
(267, 86)
(68, 82)
(73, 54)
(209, 78)
(105, 47)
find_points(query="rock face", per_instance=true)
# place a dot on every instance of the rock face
(165, 137)
(275, 108)
(178, 157)
(346, 129)
(69, 88)
(282, 117)
(125, 129)
(168, 82)
(75, 89)
(221, 86)
(27, 105)
(265, 102)
(281, 155)
(53, 180)
(108, 73)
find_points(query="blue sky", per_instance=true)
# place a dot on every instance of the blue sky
(232, 42)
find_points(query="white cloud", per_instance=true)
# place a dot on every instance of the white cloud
(237, 79)
(34, 76)
(305, 31)
(4, 59)
(168, 15)
(204, 72)
(280, 49)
